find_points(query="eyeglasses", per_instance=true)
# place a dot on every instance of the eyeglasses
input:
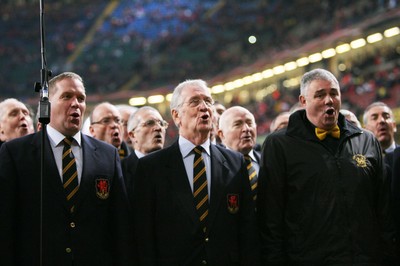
(194, 102)
(151, 123)
(108, 120)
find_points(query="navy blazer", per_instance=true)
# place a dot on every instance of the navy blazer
(392, 161)
(98, 231)
(167, 226)
(128, 166)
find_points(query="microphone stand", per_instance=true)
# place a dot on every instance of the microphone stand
(44, 117)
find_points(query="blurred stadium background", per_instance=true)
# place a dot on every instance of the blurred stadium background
(252, 53)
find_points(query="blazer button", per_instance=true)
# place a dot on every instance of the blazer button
(72, 224)
(68, 250)
(206, 239)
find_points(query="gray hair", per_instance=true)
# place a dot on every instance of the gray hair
(3, 104)
(134, 120)
(176, 100)
(372, 105)
(316, 74)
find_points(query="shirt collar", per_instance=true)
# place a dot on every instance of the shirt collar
(251, 155)
(56, 137)
(391, 147)
(139, 154)
(186, 146)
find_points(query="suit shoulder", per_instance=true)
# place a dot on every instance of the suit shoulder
(131, 158)
(21, 141)
(98, 143)
(158, 156)
(229, 153)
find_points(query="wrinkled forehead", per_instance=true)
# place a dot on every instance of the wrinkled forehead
(195, 91)
(14, 106)
(376, 110)
(106, 111)
(323, 85)
(151, 115)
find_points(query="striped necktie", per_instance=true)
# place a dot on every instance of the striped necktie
(200, 190)
(252, 176)
(69, 173)
(121, 153)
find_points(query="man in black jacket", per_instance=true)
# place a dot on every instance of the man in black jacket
(323, 194)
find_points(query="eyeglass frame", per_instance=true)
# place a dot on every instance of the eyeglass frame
(196, 101)
(151, 123)
(103, 122)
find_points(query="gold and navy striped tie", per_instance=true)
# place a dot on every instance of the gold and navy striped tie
(69, 173)
(200, 190)
(252, 176)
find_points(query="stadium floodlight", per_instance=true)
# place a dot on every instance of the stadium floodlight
(257, 76)
(153, 99)
(244, 95)
(278, 69)
(168, 97)
(302, 61)
(358, 43)
(229, 86)
(340, 49)
(290, 83)
(238, 83)
(391, 32)
(217, 89)
(290, 66)
(315, 57)
(137, 101)
(328, 53)
(267, 73)
(247, 80)
(376, 37)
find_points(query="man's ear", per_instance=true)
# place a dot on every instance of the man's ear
(175, 117)
(92, 132)
(220, 134)
(302, 100)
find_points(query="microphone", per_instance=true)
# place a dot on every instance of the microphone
(44, 104)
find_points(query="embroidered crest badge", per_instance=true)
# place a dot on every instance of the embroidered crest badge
(360, 159)
(102, 188)
(233, 203)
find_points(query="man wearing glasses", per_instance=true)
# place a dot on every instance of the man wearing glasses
(192, 201)
(106, 125)
(146, 130)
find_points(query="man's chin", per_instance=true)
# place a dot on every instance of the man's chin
(116, 143)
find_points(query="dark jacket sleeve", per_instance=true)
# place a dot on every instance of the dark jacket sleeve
(8, 200)
(121, 220)
(271, 204)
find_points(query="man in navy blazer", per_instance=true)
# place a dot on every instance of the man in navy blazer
(238, 132)
(95, 231)
(167, 225)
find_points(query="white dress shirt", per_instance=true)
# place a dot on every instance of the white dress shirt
(57, 145)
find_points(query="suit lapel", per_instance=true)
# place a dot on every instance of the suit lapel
(257, 155)
(89, 155)
(50, 171)
(180, 183)
(219, 178)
